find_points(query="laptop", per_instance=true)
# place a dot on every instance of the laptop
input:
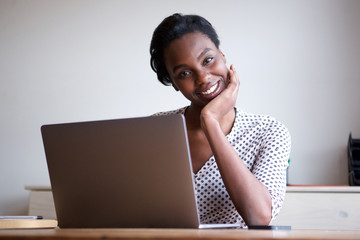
(122, 173)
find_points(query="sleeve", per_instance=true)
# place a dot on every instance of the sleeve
(272, 162)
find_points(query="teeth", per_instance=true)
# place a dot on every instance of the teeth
(210, 90)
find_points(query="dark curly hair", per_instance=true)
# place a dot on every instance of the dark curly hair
(171, 28)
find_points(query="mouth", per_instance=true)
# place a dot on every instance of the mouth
(209, 93)
(210, 90)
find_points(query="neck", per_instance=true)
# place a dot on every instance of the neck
(193, 122)
(192, 116)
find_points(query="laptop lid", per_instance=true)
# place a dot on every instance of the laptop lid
(121, 173)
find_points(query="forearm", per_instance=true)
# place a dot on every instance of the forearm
(250, 197)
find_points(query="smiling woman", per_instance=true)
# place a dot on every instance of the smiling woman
(196, 67)
(239, 159)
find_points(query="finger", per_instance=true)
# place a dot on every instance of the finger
(232, 67)
(234, 83)
(233, 77)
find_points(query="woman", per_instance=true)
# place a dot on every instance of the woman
(239, 159)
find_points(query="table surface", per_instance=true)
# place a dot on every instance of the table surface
(188, 234)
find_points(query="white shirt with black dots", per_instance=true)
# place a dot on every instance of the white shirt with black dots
(263, 144)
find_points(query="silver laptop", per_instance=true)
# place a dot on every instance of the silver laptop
(124, 173)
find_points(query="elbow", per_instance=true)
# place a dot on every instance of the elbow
(263, 218)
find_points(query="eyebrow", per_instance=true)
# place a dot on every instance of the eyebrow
(204, 52)
(200, 56)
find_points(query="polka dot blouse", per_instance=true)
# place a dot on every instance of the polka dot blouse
(263, 144)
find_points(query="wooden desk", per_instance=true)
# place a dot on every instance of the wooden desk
(168, 234)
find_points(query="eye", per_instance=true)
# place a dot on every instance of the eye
(183, 74)
(208, 60)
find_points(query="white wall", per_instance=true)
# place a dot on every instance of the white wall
(77, 60)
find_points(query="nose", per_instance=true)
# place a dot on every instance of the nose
(202, 77)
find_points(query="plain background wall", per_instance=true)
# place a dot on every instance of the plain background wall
(63, 61)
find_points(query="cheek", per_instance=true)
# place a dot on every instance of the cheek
(221, 69)
(183, 86)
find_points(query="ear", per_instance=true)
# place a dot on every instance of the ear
(223, 55)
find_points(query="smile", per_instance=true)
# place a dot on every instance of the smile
(210, 90)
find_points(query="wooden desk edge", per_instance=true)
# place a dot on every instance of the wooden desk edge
(188, 234)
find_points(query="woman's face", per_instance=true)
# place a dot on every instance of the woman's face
(196, 67)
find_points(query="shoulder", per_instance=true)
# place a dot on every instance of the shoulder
(171, 112)
(251, 119)
(264, 124)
